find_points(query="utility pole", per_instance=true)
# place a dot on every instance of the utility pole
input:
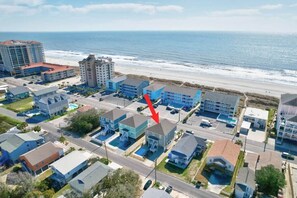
(106, 151)
(155, 170)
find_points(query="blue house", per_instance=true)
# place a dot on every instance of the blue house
(133, 127)
(110, 120)
(245, 183)
(180, 96)
(159, 136)
(154, 91)
(17, 145)
(69, 166)
(133, 88)
(17, 93)
(114, 83)
(187, 147)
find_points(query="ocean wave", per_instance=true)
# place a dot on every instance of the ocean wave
(278, 76)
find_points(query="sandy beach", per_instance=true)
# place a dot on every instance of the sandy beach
(227, 82)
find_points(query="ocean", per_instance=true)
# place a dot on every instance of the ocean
(269, 57)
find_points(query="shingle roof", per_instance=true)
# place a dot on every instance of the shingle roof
(289, 99)
(8, 134)
(246, 176)
(181, 90)
(18, 90)
(154, 87)
(188, 144)
(114, 114)
(71, 161)
(269, 158)
(155, 193)
(220, 97)
(90, 177)
(118, 79)
(53, 98)
(293, 119)
(163, 128)
(133, 82)
(134, 121)
(226, 149)
(41, 153)
(45, 91)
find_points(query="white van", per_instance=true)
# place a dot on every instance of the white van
(205, 122)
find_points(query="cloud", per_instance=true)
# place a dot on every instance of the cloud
(246, 12)
(22, 2)
(293, 5)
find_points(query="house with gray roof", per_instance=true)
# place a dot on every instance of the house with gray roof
(114, 83)
(112, 118)
(85, 181)
(220, 103)
(19, 144)
(132, 87)
(245, 183)
(160, 135)
(155, 193)
(154, 91)
(133, 127)
(37, 95)
(8, 134)
(180, 96)
(53, 105)
(187, 147)
(286, 124)
(17, 93)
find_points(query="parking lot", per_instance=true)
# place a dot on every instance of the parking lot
(121, 102)
(256, 135)
(134, 105)
(196, 120)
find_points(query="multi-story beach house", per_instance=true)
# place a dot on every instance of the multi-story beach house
(179, 97)
(85, 181)
(154, 91)
(37, 160)
(96, 71)
(16, 53)
(113, 84)
(53, 105)
(69, 166)
(17, 93)
(17, 145)
(257, 117)
(187, 147)
(222, 157)
(133, 88)
(245, 183)
(37, 95)
(159, 136)
(133, 127)
(220, 103)
(49, 72)
(286, 125)
(111, 119)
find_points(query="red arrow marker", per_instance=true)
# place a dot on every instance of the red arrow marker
(155, 115)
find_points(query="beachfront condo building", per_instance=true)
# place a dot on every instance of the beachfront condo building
(49, 72)
(132, 87)
(113, 84)
(154, 91)
(220, 103)
(96, 71)
(16, 53)
(179, 97)
(287, 118)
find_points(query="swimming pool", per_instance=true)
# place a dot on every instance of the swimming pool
(226, 119)
(122, 145)
(72, 106)
(141, 151)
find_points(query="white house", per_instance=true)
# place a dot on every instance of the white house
(257, 117)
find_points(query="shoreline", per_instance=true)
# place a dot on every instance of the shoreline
(206, 79)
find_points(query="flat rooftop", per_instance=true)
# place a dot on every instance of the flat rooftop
(18, 42)
(256, 113)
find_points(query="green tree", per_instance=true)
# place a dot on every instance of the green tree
(239, 142)
(48, 193)
(37, 128)
(270, 180)
(22, 126)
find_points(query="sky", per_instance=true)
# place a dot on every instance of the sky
(279, 16)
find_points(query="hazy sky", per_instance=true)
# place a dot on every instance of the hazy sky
(96, 15)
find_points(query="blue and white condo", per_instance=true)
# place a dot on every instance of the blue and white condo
(17, 93)
(133, 88)
(113, 84)
(159, 136)
(187, 147)
(17, 145)
(133, 127)
(111, 119)
(154, 91)
(179, 97)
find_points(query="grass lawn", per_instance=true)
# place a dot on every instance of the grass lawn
(7, 123)
(9, 170)
(228, 189)
(21, 105)
(45, 175)
(184, 174)
(62, 191)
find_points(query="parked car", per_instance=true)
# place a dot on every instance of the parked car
(206, 123)
(287, 156)
(172, 111)
(31, 82)
(24, 84)
(155, 105)
(147, 184)
(100, 99)
(169, 189)
(191, 132)
(168, 108)
(93, 96)
(237, 134)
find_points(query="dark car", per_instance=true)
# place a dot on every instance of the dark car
(147, 184)
(31, 82)
(288, 156)
(24, 84)
(155, 105)
(169, 189)
(190, 132)
(237, 134)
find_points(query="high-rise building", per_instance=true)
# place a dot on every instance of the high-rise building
(95, 72)
(16, 53)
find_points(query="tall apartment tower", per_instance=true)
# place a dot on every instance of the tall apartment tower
(16, 53)
(95, 72)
